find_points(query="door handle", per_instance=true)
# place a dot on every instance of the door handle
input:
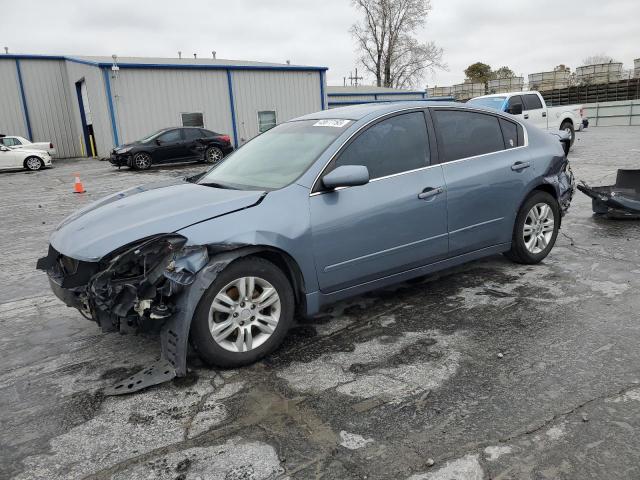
(430, 192)
(526, 116)
(544, 114)
(516, 167)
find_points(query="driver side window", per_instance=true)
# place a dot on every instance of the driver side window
(170, 137)
(395, 145)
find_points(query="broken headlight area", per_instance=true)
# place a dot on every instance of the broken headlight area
(135, 290)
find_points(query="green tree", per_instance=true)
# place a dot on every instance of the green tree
(503, 72)
(478, 72)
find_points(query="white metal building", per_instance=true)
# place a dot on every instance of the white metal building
(342, 96)
(88, 105)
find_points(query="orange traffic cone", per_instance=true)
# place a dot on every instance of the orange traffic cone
(77, 186)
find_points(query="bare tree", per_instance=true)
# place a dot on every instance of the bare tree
(597, 59)
(387, 43)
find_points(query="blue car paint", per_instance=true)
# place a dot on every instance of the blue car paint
(339, 243)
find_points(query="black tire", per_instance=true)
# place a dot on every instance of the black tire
(201, 337)
(568, 126)
(33, 164)
(519, 252)
(141, 161)
(213, 155)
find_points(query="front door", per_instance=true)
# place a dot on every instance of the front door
(171, 147)
(486, 173)
(388, 225)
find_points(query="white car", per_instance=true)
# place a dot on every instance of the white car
(531, 106)
(12, 158)
(14, 141)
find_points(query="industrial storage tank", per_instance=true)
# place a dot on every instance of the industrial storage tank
(549, 80)
(467, 90)
(600, 73)
(439, 91)
(504, 85)
(636, 68)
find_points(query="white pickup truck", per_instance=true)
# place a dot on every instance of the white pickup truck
(531, 106)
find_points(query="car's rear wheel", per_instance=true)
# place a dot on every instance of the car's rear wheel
(141, 161)
(33, 163)
(536, 228)
(213, 155)
(569, 129)
(244, 315)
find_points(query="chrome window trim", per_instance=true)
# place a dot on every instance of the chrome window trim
(418, 108)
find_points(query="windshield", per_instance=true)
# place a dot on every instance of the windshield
(277, 157)
(152, 136)
(491, 102)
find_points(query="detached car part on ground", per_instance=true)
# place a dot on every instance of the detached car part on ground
(171, 145)
(318, 209)
(621, 200)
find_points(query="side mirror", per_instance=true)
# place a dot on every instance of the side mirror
(346, 176)
(515, 109)
(158, 141)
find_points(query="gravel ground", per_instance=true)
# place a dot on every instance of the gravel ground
(490, 370)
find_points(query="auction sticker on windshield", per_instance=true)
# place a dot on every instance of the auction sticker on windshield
(331, 123)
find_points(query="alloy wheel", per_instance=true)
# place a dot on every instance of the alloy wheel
(214, 155)
(34, 163)
(142, 161)
(244, 314)
(538, 228)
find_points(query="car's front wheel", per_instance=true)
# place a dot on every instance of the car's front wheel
(33, 164)
(244, 315)
(213, 155)
(570, 130)
(141, 161)
(536, 228)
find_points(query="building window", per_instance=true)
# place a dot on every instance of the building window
(195, 119)
(266, 120)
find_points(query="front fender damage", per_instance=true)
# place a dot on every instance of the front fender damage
(174, 333)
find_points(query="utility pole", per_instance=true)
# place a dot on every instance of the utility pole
(354, 79)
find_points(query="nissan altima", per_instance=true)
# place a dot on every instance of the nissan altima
(317, 209)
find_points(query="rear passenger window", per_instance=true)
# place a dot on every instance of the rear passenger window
(510, 133)
(531, 102)
(395, 145)
(463, 134)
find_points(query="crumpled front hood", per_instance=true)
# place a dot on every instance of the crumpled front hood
(139, 212)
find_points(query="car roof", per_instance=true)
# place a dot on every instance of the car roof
(357, 112)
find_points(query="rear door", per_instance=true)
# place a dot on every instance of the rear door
(485, 171)
(387, 226)
(534, 111)
(194, 147)
(11, 158)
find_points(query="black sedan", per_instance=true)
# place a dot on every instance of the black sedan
(170, 145)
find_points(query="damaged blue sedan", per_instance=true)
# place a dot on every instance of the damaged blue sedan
(318, 209)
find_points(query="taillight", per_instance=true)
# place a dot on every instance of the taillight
(50, 145)
(225, 138)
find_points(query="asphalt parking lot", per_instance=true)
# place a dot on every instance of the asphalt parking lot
(492, 370)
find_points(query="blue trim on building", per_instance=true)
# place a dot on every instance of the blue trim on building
(368, 94)
(322, 105)
(293, 68)
(233, 110)
(112, 113)
(27, 121)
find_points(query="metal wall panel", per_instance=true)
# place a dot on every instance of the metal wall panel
(352, 98)
(147, 100)
(289, 94)
(11, 115)
(99, 106)
(48, 99)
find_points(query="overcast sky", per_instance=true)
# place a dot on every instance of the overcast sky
(527, 35)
